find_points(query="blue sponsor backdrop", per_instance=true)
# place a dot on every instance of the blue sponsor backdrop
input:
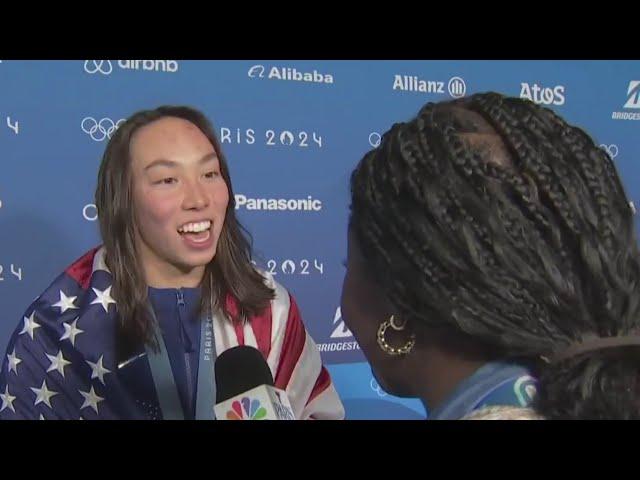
(292, 132)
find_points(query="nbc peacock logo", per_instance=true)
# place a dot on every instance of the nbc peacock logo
(246, 409)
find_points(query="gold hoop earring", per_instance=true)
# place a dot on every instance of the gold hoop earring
(384, 345)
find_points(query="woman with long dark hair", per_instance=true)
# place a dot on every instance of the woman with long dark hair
(493, 268)
(131, 329)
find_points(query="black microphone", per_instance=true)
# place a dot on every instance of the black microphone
(245, 389)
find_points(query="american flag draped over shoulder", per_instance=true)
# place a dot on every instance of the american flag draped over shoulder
(61, 360)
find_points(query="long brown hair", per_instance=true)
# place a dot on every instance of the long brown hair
(229, 274)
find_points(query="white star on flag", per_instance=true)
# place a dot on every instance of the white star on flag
(97, 370)
(43, 394)
(30, 325)
(90, 399)
(65, 303)
(13, 361)
(57, 363)
(70, 332)
(7, 400)
(103, 297)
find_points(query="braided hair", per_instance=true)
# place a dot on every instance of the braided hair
(492, 217)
